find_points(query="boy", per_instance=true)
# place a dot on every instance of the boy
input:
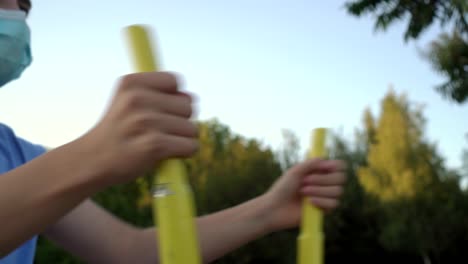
(147, 121)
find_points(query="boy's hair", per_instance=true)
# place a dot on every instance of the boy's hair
(25, 5)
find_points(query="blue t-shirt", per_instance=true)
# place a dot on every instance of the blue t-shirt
(15, 152)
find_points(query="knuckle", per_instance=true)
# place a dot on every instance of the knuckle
(137, 126)
(128, 80)
(193, 130)
(190, 148)
(134, 100)
(338, 190)
(156, 144)
(143, 122)
(188, 110)
(169, 77)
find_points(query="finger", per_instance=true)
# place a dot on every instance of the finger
(306, 167)
(173, 104)
(161, 81)
(149, 123)
(175, 125)
(192, 96)
(193, 100)
(177, 104)
(335, 178)
(329, 166)
(322, 191)
(326, 204)
(179, 147)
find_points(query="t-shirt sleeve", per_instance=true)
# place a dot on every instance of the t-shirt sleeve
(15, 150)
(30, 150)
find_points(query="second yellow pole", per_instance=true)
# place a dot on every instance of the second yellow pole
(310, 242)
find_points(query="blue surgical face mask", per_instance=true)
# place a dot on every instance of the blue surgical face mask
(15, 51)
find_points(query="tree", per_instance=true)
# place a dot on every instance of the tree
(289, 155)
(230, 169)
(351, 230)
(431, 224)
(398, 159)
(421, 204)
(448, 54)
(465, 164)
(465, 161)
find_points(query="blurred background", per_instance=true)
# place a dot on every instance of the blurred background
(388, 77)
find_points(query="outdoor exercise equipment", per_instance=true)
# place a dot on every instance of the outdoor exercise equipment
(173, 204)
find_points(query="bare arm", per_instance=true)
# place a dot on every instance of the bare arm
(222, 232)
(37, 194)
(96, 236)
(146, 122)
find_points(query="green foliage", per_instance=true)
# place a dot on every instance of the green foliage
(289, 155)
(228, 170)
(351, 229)
(421, 14)
(465, 163)
(420, 204)
(430, 224)
(448, 54)
(124, 201)
(48, 252)
(424, 221)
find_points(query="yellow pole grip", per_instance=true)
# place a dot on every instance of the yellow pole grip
(144, 59)
(311, 238)
(173, 204)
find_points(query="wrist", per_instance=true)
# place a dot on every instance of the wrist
(263, 214)
(88, 165)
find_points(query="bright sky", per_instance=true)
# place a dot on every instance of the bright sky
(258, 66)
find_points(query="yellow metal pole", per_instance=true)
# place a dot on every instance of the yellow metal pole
(311, 239)
(173, 204)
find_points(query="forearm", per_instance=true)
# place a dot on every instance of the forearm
(219, 233)
(38, 193)
(223, 232)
